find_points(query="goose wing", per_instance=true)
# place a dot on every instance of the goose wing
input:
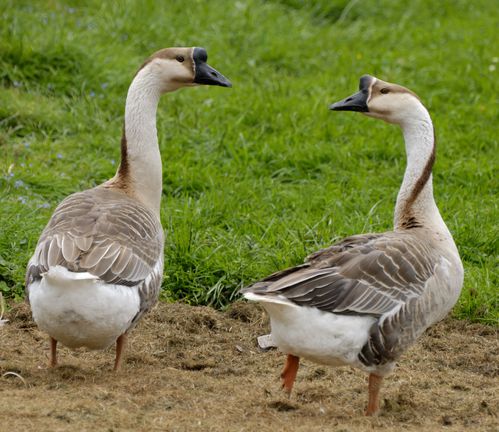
(368, 274)
(104, 233)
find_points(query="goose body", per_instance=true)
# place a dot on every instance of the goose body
(92, 313)
(98, 265)
(363, 301)
(97, 268)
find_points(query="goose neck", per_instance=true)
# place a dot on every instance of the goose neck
(140, 171)
(415, 203)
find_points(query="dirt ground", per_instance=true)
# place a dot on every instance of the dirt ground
(197, 369)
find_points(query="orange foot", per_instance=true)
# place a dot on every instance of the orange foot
(53, 352)
(120, 345)
(375, 382)
(289, 372)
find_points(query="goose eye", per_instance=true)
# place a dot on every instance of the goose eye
(385, 90)
(179, 58)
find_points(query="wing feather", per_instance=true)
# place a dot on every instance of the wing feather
(83, 243)
(53, 253)
(103, 232)
(69, 249)
(372, 274)
(122, 261)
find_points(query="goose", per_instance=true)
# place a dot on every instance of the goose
(364, 300)
(98, 264)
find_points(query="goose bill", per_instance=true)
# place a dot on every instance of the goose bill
(205, 74)
(355, 102)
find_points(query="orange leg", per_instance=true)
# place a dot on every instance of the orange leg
(120, 345)
(53, 352)
(375, 382)
(289, 372)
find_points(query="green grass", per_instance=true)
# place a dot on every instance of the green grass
(257, 176)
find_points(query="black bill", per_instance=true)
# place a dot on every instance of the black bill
(205, 74)
(357, 101)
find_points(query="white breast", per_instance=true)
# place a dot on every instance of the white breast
(78, 309)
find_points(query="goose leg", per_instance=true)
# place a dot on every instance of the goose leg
(120, 345)
(53, 352)
(375, 382)
(289, 372)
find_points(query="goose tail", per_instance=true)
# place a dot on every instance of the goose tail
(58, 275)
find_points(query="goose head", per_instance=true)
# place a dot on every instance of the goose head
(383, 100)
(173, 68)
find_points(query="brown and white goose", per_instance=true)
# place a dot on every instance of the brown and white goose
(98, 264)
(363, 301)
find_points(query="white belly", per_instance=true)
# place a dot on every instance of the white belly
(319, 336)
(78, 309)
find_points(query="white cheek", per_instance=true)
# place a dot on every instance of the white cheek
(384, 104)
(174, 74)
(389, 107)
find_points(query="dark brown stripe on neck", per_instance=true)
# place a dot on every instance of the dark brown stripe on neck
(123, 170)
(410, 222)
(408, 219)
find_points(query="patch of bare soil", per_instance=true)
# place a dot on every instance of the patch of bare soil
(196, 369)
